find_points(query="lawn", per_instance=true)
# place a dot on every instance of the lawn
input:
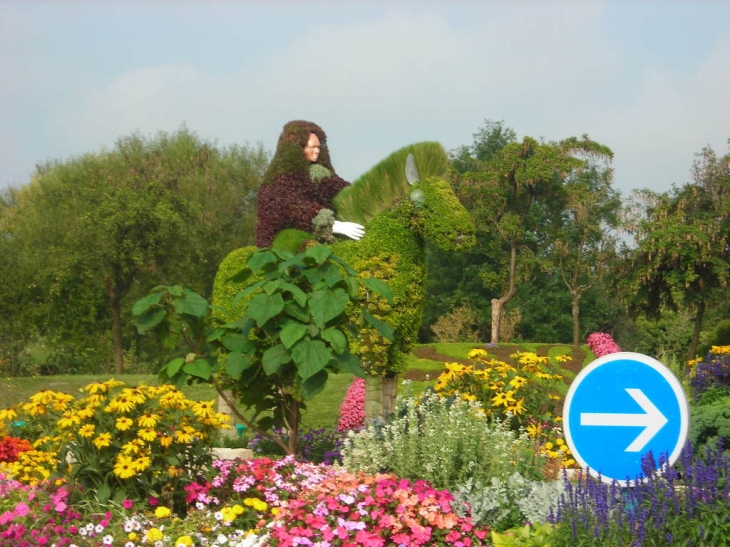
(424, 366)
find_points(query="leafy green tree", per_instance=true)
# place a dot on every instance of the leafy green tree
(516, 194)
(682, 250)
(585, 240)
(94, 229)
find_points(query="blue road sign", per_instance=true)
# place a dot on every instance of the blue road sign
(620, 407)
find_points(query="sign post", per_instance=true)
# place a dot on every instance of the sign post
(620, 407)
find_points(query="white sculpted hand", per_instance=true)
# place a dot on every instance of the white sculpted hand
(350, 229)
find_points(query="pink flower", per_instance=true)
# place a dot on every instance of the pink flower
(127, 504)
(602, 344)
(21, 509)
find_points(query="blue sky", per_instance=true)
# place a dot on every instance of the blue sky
(649, 79)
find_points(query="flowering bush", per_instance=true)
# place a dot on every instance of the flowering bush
(602, 344)
(352, 410)
(373, 511)
(443, 441)
(709, 377)
(11, 447)
(517, 393)
(119, 442)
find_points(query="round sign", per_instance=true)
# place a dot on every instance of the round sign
(619, 408)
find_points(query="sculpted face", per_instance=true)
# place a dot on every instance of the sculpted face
(311, 151)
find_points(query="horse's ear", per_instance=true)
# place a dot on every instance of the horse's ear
(412, 175)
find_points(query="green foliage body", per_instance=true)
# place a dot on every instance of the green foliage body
(392, 248)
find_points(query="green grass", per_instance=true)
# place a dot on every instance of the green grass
(322, 411)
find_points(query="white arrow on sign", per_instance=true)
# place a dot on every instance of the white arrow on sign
(652, 420)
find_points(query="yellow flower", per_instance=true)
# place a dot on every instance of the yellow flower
(560, 442)
(518, 408)
(87, 430)
(204, 409)
(124, 423)
(9, 413)
(148, 419)
(148, 434)
(133, 446)
(502, 399)
(476, 352)
(533, 430)
(162, 512)
(563, 358)
(70, 419)
(136, 395)
(183, 437)
(132, 536)
(152, 535)
(35, 409)
(518, 382)
(43, 397)
(104, 439)
(124, 467)
(121, 404)
(184, 541)
(166, 441)
(455, 367)
(61, 401)
(142, 463)
(548, 446)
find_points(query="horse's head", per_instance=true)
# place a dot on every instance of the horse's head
(439, 216)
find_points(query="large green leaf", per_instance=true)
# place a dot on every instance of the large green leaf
(314, 385)
(336, 338)
(150, 319)
(331, 274)
(292, 332)
(274, 357)
(237, 362)
(311, 356)
(350, 363)
(385, 330)
(300, 313)
(263, 307)
(193, 304)
(173, 367)
(298, 294)
(234, 341)
(200, 368)
(248, 290)
(141, 305)
(379, 286)
(327, 304)
(319, 253)
(260, 259)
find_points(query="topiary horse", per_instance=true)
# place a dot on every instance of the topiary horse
(403, 202)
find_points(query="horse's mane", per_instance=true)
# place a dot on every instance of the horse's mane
(385, 184)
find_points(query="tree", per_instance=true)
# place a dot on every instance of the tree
(682, 244)
(585, 240)
(96, 228)
(516, 194)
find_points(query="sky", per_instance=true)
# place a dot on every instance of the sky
(649, 79)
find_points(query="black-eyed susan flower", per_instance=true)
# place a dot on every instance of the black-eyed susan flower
(147, 433)
(204, 409)
(102, 440)
(124, 423)
(124, 467)
(148, 419)
(87, 430)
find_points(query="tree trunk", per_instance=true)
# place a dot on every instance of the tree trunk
(696, 332)
(116, 306)
(498, 303)
(294, 427)
(575, 308)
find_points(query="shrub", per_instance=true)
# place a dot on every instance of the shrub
(120, 442)
(315, 445)
(602, 344)
(443, 441)
(352, 410)
(709, 377)
(517, 393)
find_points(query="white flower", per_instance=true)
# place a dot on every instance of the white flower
(221, 539)
(107, 540)
(98, 528)
(129, 544)
(218, 515)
